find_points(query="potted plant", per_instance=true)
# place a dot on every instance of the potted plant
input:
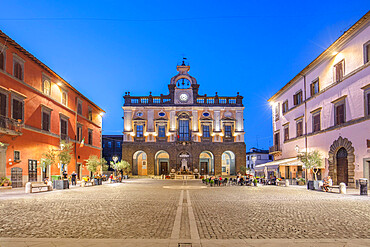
(301, 181)
(211, 182)
(312, 162)
(207, 181)
(5, 181)
(255, 182)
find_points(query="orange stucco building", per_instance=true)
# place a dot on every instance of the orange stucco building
(38, 109)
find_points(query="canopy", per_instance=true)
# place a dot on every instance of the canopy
(283, 162)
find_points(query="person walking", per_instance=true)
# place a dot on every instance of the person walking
(74, 178)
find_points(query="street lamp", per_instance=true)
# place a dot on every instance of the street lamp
(115, 159)
(254, 158)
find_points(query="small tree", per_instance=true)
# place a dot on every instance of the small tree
(65, 154)
(312, 161)
(95, 164)
(48, 158)
(121, 166)
(243, 170)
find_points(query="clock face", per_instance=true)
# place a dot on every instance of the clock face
(184, 97)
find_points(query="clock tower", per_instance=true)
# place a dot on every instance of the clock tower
(183, 87)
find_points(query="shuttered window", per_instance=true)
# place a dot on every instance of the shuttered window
(297, 98)
(299, 128)
(18, 71)
(17, 109)
(46, 121)
(316, 122)
(90, 137)
(3, 104)
(340, 114)
(286, 133)
(368, 103)
(2, 61)
(339, 71)
(63, 129)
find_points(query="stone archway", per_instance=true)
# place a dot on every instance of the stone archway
(333, 169)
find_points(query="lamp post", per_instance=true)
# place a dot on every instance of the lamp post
(254, 158)
(297, 149)
(115, 159)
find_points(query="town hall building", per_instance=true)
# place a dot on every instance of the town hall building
(183, 131)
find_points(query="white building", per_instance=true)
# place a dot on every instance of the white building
(256, 157)
(326, 107)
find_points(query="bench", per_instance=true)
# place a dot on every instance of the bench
(39, 185)
(86, 183)
(282, 182)
(330, 188)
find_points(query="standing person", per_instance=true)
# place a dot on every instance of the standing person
(74, 176)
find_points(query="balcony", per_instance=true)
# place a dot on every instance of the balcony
(275, 149)
(10, 126)
(201, 100)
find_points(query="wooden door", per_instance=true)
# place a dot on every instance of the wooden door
(203, 168)
(164, 168)
(287, 172)
(342, 166)
(16, 177)
(32, 170)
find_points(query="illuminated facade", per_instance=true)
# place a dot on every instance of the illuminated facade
(183, 130)
(326, 107)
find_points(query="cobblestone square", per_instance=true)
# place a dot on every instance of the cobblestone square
(149, 209)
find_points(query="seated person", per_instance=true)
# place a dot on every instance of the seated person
(327, 183)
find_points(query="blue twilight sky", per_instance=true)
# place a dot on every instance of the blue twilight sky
(104, 48)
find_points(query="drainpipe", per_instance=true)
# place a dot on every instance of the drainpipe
(76, 101)
(305, 116)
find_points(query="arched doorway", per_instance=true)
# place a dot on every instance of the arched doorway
(139, 165)
(206, 163)
(162, 163)
(228, 163)
(342, 166)
(342, 150)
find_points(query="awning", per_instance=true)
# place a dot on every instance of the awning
(283, 162)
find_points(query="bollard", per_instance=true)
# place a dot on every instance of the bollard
(50, 184)
(28, 187)
(363, 186)
(286, 183)
(342, 188)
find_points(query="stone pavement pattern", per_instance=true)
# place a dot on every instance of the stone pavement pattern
(145, 210)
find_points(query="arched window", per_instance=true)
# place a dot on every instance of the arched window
(2, 62)
(47, 87)
(18, 73)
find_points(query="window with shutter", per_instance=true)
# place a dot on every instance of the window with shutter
(339, 71)
(340, 114)
(90, 137)
(63, 129)
(286, 133)
(299, 128)
(46, 121)
(2, 61)
(18, 71)
(17, 109)
(367, 52)
(3, 104)
(368, 103)
(316, 122)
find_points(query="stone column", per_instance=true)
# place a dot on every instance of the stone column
(217, 122)
(239, 120)
(218, 164)
(3, 149)
(195, 121)
(127, 123)
(172, 121)
(150, 120)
